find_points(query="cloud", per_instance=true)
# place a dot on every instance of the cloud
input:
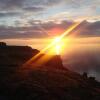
(9, 8)
(43, 2)
(95, 25)
(70, 9)
(15, 33)
(38, 29)
(16, 4)
(53, 2)
(9, 14)
(34, 9)
(88, 29)
(7, 4)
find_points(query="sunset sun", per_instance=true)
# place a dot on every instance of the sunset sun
(58, 49)
(49, 49)
(58, 45)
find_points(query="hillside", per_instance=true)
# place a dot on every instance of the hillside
(51, 81)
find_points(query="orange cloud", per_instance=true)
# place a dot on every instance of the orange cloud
(56, 31)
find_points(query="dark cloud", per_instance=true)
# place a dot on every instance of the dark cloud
(32, 31)
(9, 4)
(20, 32)
(9, 14)
(35, 30)
(34, 9)
(6, 5)
(53, 2)
(10, 8)
(52, 24)
(28, 4)
(43, 2)
(87, 29)
(95, 25)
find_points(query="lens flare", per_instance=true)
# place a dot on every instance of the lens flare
(54, 43)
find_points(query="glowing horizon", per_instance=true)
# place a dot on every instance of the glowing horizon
(53, 43)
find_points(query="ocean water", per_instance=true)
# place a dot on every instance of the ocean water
(79, 54)
(83, 58)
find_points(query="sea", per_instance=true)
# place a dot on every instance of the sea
(78, 54)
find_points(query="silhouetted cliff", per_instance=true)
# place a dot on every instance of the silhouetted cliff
(49, 81)
(15, 55)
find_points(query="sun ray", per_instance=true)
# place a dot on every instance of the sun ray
(53, 43)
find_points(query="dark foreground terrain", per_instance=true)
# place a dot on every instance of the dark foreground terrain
(50, 81)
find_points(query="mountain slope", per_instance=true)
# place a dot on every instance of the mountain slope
(49, 81)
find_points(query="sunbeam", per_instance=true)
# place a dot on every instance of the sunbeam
(55, 42)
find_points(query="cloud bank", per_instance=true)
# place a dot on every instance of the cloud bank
(38, 29)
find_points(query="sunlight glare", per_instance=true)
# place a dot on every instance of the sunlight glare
(58, 48)
(57, 45)
(57, 39)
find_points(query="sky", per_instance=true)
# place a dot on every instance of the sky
(46, 18)
(34, 22)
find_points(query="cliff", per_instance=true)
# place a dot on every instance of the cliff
(50, 81)
(18, 55)
(15, 55)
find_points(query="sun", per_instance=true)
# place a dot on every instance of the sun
(58, 49)
(55, 42)
(57, 45)
(57, 39)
